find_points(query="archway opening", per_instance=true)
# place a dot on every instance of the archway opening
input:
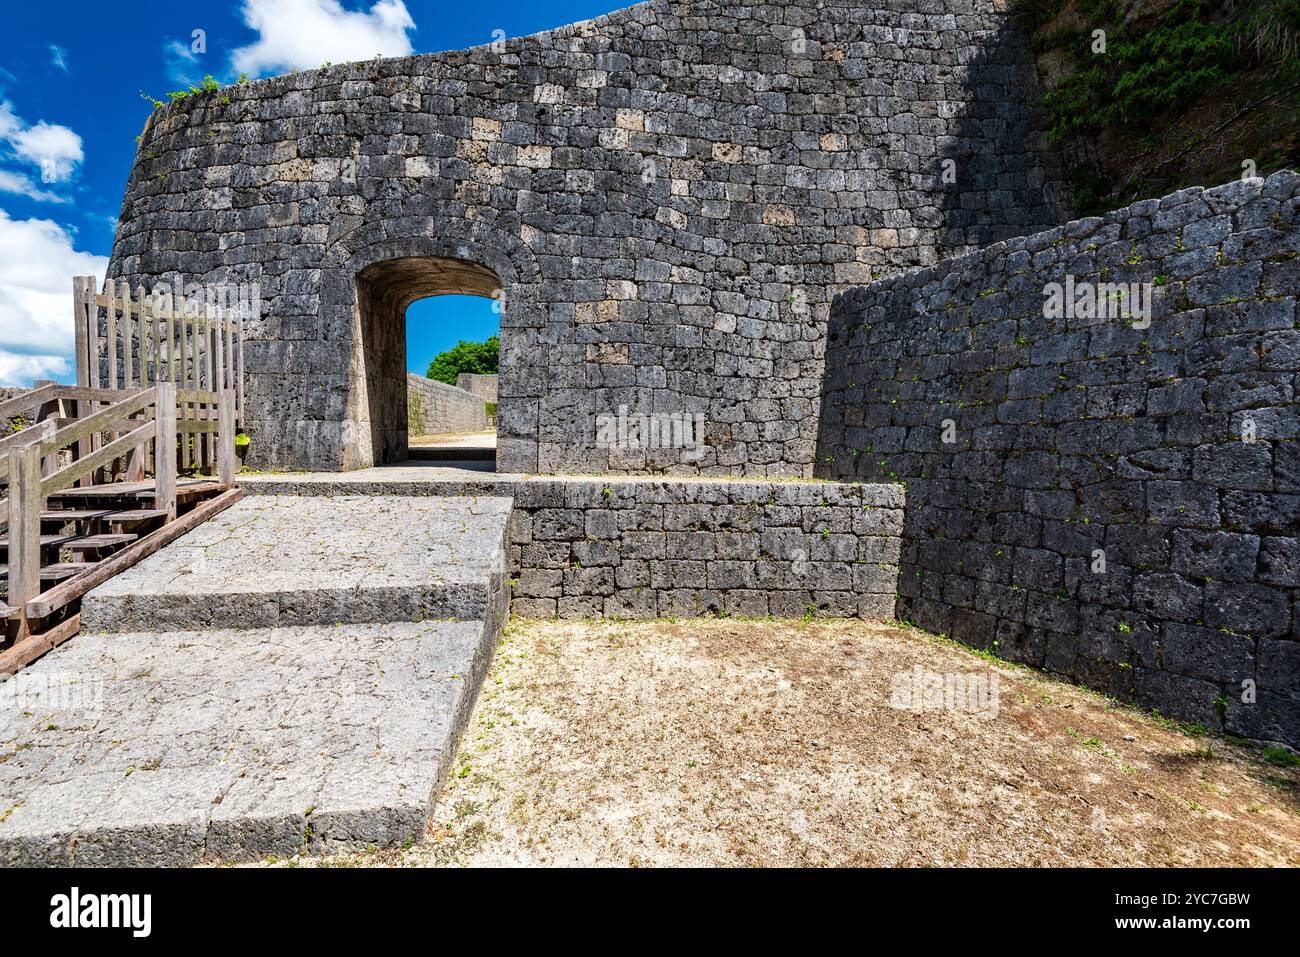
(453, 354)
(404, 407)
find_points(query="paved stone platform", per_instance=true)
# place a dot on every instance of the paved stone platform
(295, 560)
(234, 743)
(478, 478)
(167, 741)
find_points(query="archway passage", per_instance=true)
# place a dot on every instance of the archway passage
(453, 355)
(384, 291)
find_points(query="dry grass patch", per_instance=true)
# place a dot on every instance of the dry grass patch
(727, 742)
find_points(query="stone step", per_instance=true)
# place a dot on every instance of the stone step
(252, 688)
(293, 560)
(234, 744)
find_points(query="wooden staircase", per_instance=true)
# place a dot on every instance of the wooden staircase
(96, 476)
(72, 523)
(76, 538)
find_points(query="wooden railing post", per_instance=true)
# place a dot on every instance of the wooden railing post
(165, 448)
(81, 287)
(25, 505)
(47, 410)
(226, 436)
(81, 329)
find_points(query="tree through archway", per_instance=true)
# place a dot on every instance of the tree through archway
(384, 292)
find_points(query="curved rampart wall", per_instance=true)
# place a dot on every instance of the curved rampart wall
(668, 196)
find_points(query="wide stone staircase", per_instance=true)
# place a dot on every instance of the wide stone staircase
(290, 677)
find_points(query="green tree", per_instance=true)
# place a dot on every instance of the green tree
(483, 358)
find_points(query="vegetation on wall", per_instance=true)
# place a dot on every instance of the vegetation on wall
(414, 414)
(1179, 92)
(207, 85)
(481, 358)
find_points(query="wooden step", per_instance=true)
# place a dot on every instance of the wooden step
(100, 541)
(79, 542)
(7, 611)
(129, 490)
(103, 514)
(56, 573)
(189, 492)
(129, 494)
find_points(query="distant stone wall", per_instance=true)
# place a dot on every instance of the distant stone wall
(483, 386)
(1101, 510)
(14, 424)
(435, 408)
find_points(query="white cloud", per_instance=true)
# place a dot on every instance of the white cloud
(37, 263)
(53, 149)
(304, 34)
(59, 57)
(20, 370)
(11, 182)
(182, 63)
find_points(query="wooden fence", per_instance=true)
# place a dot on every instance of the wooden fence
(74, 438)
(128, 339)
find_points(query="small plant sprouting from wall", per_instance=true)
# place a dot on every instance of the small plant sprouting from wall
(206, 85)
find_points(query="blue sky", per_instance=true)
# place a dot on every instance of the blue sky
(71, 75)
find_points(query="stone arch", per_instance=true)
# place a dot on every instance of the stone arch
(369, 277)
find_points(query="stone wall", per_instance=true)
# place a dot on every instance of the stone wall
(662, 549)
(665, 197)
(483, 386)
(640, 548)
(1078, 441)
(435, 408)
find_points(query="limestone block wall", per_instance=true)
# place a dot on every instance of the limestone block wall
(435, 408)
(482, 385)
(661, 549)
(666, 197)
(1170, 452)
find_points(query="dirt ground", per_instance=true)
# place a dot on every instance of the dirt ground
(753, 743)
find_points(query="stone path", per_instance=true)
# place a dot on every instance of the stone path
(326, 719)
(458, 440)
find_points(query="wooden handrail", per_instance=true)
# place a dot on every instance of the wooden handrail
(28, 400)
(103, 420)
(40, 432)
(69, 475)
(134, 420)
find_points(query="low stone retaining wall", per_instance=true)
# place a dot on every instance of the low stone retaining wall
(435, 408)
(632, 548)
(661, 549)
